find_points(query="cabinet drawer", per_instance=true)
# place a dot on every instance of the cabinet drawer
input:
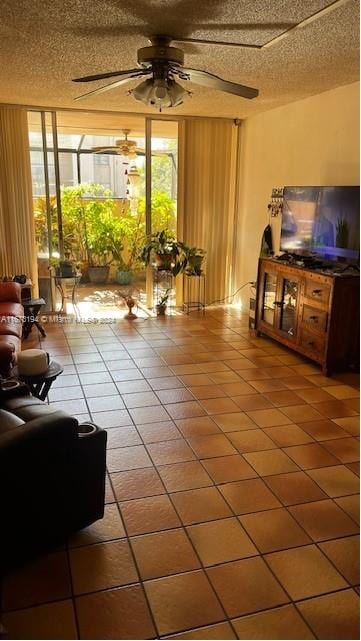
(315, 318)
(312, 342)
(317, 291)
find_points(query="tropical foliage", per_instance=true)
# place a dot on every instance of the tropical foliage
(99, 229)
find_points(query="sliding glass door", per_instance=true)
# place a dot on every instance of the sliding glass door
(45, 194)
(162, 197)
(96, 175)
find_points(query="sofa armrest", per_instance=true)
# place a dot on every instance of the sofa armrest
(38, 439)
(10, 293)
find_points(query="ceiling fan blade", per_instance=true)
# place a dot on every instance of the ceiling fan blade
(111, 74)
(223, 43)
(99, 150)
(159, 153)
(112, 85)
(214, 82)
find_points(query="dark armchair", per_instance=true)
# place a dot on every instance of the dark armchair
(52, 477)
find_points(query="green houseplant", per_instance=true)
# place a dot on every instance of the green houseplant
(162, 303)
(127, 239)
(193, 260)
(97, 231)
(62, 268)
(127, 234)
(88, 212)
(124, 273)
(99, 246)
(165, 251)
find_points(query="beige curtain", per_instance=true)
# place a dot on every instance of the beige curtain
(206, 196)
(17, 238)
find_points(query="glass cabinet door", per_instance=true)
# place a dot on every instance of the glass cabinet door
(269, 298)
(288, 307)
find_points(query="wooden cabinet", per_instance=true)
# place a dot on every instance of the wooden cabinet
(314, 313)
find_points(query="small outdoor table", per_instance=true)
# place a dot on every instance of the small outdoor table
(40, 384)
(61, 283)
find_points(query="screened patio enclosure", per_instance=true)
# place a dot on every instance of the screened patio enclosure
(83, 196)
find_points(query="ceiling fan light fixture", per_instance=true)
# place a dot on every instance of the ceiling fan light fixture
(160, 93)
(142, 92)
(177, 93)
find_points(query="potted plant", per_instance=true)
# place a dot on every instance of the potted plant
(88, 214)
(193, 260)
(162, 303)
(124, 274)
(100, 231)
(164, 250)
(62, 268)
(121, 249)
(99, 260)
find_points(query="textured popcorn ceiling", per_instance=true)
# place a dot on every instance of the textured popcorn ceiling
(45, 43)
(106, 124)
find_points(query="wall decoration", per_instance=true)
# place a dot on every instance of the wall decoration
(276, 203)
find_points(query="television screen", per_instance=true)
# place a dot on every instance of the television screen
(322, 220)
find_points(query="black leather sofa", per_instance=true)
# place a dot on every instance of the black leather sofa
(52, 477)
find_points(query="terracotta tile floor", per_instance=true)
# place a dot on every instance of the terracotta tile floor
(232, 490)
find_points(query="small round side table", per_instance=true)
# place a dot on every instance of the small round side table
(40, 384)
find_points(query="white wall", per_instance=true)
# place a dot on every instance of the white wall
(310, 142)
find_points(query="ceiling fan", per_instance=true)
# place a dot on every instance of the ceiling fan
(123, 147)
(163, 63)
(128, 148)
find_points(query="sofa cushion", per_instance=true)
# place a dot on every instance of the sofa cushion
(9, 344)
(10, 326)
(11, 309)
(8, 421)
(10, 292)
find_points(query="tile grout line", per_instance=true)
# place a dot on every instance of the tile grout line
(183, 527)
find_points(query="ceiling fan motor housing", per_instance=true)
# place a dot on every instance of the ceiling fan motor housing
(160, 53)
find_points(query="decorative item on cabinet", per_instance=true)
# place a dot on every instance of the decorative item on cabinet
(267, 242)
(276, 203)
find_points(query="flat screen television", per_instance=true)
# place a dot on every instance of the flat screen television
(322, 221)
